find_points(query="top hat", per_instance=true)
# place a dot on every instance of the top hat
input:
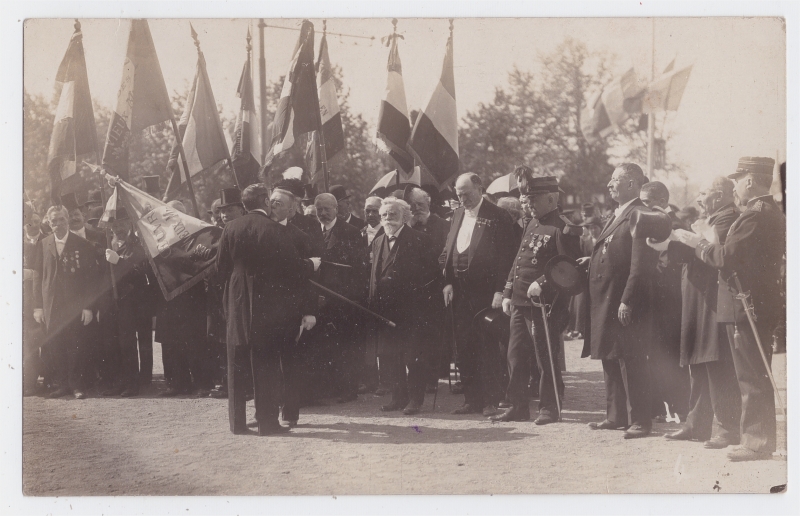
(70, 201)
(230, 197)
(758, 166)
(587, 209)
(94, 215)
(309, 192)
(95, 197)
(339, 192)
(651, 224)
(151, 186)
(563, 273)
(493, 323)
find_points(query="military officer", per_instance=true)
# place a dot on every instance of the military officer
(547, 235)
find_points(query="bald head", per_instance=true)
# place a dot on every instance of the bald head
(718, 193)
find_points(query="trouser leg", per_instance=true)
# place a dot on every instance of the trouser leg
(144, 334)
(636, 376)
(616, 398)
(267, 381)
(294, 383)
(238, 376)
(129, 355)
(758, 426)
(469, 353)
(547, 395)
(726, 399)
(31, 361)
(701, 415)
(520, 349)
(419, 373)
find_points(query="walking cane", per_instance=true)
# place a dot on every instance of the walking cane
(453, 328)
(749, 309)
(549, 351)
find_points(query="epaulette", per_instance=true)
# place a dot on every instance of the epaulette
(756, 206)
(570, 228)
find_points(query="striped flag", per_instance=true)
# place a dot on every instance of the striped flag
(181, 249)
(665, 93)
(201, 131)
(434, 139)
(594, 119)
(298, 110)
(394, 127)
(142, 100)
(74, 134)
(623, 97)
(246, 153)
(328, 104)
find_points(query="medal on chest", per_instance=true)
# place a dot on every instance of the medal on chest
(537, 242)
(606, 243)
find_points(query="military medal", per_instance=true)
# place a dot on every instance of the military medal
(605, 244)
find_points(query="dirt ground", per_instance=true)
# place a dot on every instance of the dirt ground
(182, 446)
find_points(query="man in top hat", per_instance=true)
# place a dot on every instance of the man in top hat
(706, 306)
(587, 211)
(750, 261)
(548, 235)
(138, 293)
(230, 205)
(621, 271)
(670, 381)
(65, 292)
(94, 200)
(150, 184)
(345, 210)
(477, 257)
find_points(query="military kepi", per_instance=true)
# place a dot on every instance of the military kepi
(758, 166)
(529, 185)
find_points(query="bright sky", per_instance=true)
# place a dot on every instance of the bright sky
(734, 104)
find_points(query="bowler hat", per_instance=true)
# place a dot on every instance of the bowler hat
(493, 323)
(95, 197)
(339, 192)
(230, 197)
(69, 201)
(151, 186)
(651, 224)
(752, 165)
(562, 272)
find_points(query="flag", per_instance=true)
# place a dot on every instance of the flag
(623, 97)
(434, 139)
(665, 93)
(394, 127)
(298, 108)
(594, 119)
(200, 129)
(246, 153)
(330, 117)
(74, 134)
(142, 100)
(181, 249)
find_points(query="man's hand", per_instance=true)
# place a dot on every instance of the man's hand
(112, 257)
(583, 260)
(448, 294)
(705, 230)
(687, 237)
(507, 307)
(309, 321)
(658, 246)
(497, 300)
(86, 316)
(316, 261)
(534, 290)
(38, 315)
(625, 314)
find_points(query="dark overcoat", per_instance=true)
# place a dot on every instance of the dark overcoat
(621, 270)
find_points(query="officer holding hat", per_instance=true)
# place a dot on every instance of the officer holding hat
(750, 261)
(547, 235)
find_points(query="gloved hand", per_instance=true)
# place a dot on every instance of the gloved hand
(687, 237)
(497, 300)
(447, 291)
(86, 317)
(38, 315)
(507, 307)
(309, 321)
(534, 290)
(112, 257)
(316, 262)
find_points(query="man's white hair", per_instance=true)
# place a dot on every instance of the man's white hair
(56, 209)
(373, 200)
(405, 209)
(422, 193)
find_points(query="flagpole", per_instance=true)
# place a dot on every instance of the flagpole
(321, 140)
(262, 86)
(227, 151)
(651, 117)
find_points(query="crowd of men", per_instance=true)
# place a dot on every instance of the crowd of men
(307, 301)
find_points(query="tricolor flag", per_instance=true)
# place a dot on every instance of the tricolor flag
(181, 248)
(623, 97)
(328, 104)
(246, 153)
(201, 131)
(298, 108)
(74, 135)
(434, 139)
(394, 127)
(594, 119)
(142, 100)
(665, 93)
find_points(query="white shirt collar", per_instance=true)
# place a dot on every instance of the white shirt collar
(60, 241)
(349, 216)
(329, 226)
(369, 229)
(81, 232)
(262, 211)
(622, 207)
(283, 222)
(396, 234)
(474, 212)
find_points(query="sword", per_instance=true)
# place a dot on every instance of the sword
(749, 309)
(549, 351)
(352, 303)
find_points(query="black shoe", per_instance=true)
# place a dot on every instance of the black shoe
(717, 443)
(412, 408)
(512, 414)
(58, 393)
(362, 389)
(466, 408)
(636, 431)
(170, 392)
(348, 398)
(291, 422)
(112, 391)
(545, 419)
(129, 392)
(79, 395)
(218, 394)
(273, 428)
(684, 434)
(394, 406)
(605, 425)
(458, 388)
(382, 391)
(489, 410)
(252, 424)
(742, 454)
(504, 404)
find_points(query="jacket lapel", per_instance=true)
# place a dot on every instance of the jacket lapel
(455, 225)
(617, 221)
(477, 232)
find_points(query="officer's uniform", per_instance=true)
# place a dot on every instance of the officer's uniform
(753, 251)
(551, 235)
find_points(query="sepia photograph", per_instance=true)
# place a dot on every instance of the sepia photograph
(349, 255)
